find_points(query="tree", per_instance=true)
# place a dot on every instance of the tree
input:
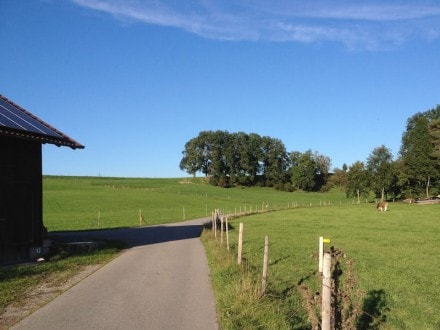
(339, 177)
(379, 165)
(322, 170)
(274, 159)
(309, 171)
(248, 153)
(303, 171)
(434, 131)
(357, 181)
(236, 158)
(420, 163)
(220, 165)
(197, 155)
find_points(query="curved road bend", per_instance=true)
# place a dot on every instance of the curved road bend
(161, 282)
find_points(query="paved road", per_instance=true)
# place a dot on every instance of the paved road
(161, 282)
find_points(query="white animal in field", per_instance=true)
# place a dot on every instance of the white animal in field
(382, 206)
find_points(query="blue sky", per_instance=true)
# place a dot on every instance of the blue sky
(134, 80)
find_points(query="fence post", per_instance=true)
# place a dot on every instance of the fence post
(326, 293)
(320, 253)
(240, 243)
(221, 230)
(212, 221)
(265, 261)
(215, 222)
(227, 234)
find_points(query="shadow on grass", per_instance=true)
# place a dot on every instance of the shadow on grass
(133, 237)
(375, 309)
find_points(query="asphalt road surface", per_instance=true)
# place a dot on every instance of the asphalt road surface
(161, 282)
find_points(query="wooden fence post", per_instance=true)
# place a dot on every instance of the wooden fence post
(326, 293)
(212, 221)
(221, 230)
(240, 243)
(215, 223)
(227, 234)
(320, 253)
(265, 262)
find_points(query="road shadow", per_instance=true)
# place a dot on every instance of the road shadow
(133, 236)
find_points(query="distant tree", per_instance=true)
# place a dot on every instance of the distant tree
(197, 154)
(396, 186)
(358, 181)
(248, 154)
(309, 171)
(434, 130)
(418, 155)
(219, 168)
(379, 165)
(235, 158)
(303, 170)
(339, 177)
(323, 164)
(274, 159)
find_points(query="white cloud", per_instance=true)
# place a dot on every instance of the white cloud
(372, 25)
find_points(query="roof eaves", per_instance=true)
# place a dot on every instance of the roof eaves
(43, 138)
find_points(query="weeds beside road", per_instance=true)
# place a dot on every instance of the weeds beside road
(25, 288)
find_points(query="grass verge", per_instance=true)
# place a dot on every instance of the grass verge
(239, 300)
(24, 288)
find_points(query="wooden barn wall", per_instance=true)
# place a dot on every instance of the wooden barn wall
(21, 224)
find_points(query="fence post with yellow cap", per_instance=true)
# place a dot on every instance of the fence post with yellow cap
(322, 240)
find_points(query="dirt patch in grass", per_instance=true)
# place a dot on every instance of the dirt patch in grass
(40, 296)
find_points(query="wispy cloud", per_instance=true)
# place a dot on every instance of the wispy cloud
(370, 26)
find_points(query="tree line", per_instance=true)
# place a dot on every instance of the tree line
(228, 159)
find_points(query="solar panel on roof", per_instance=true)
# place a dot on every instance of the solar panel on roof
(13, 117)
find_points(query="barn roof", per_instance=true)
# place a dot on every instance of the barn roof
(20, 123)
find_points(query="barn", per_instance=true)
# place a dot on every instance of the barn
(22, 233)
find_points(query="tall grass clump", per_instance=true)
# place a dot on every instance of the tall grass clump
(240, 303)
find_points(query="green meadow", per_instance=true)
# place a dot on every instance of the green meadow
(395, 257)
(74, 203)
(395, 253)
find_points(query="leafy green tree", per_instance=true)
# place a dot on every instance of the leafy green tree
(197, 154)
(249, 156)
(309, 171)
(420, 164)
(303, 170)
(379, 165)
(339, 177)
(220, 165)
(322, 170)
(434, 130)
(274, 159)
(236, 158)
(358, 181)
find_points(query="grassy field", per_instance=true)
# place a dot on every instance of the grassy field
(72, 203)
(395, 254)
